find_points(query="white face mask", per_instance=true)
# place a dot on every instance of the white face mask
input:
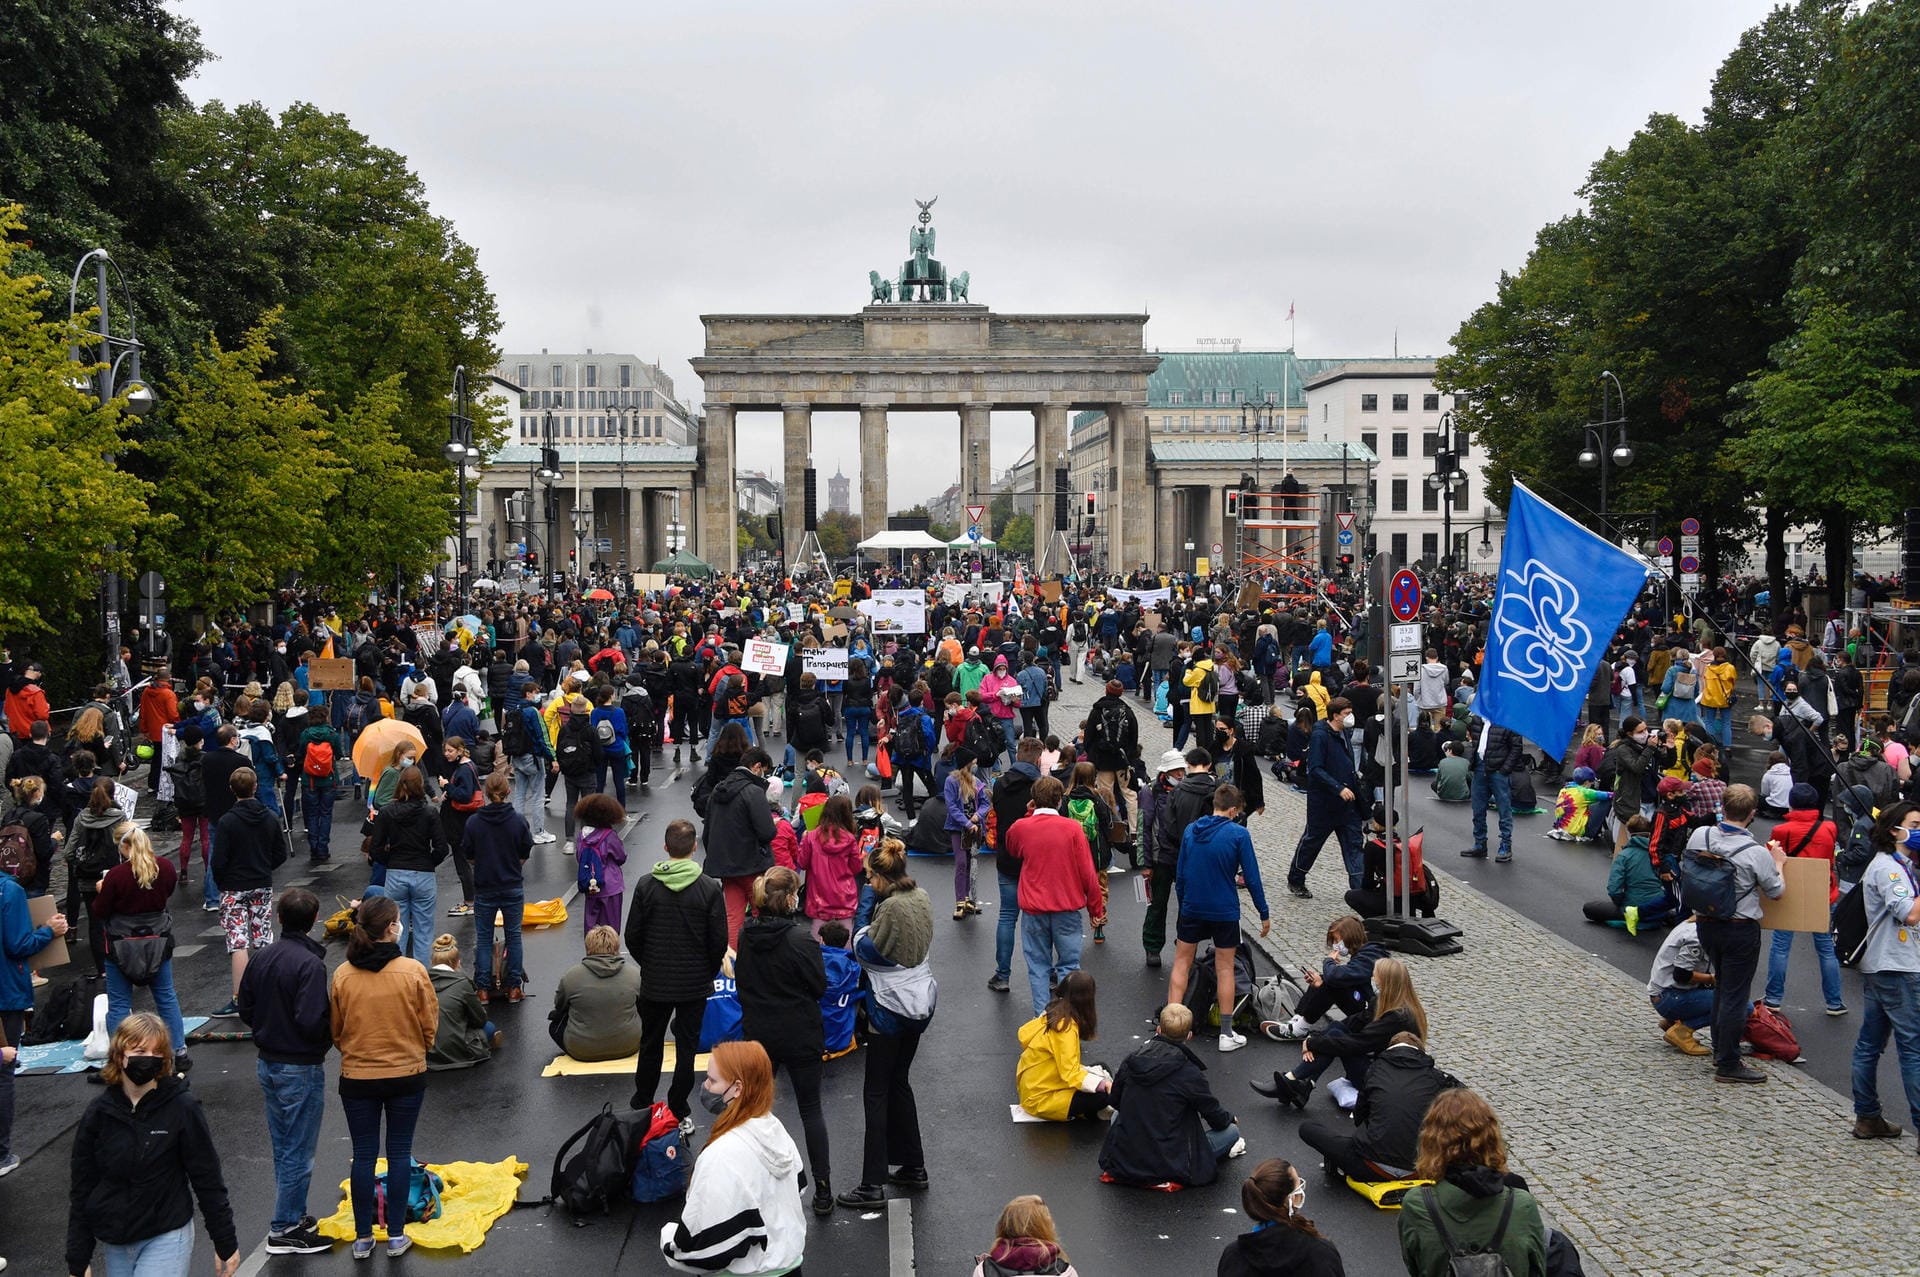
(1297, 1200)
(1639, 738)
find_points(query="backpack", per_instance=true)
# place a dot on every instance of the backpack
(140, 944)
(663, 1165)
(513, 734)
(602, 1170)
(1709, 881)
(721, 1020)
(1685, 686)
(65, 1017)
(587, 851)
(573, 748)
(92, 855)
(319, 761)
(1117, 726)
(604, 730)
(1771, 1034)
(1087, 812)
(16, 853)
(1850, 927)
(1209, 689)
(1471, 1263)
(1851, 858)
(910, 739)
(811, 712)
(984, 737)
(423, 1197)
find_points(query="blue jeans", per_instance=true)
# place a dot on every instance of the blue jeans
(859, 722)
(1498, 787)
(120, 1001)
(1009, 918)
(1051, 944)
(1720, 723)
(316, 804)
(213, 848)
(1829, 968)
(530, 791)
(1893, 1008)
(363, 1122)
(167, 1255)
(1222, 1141)
(414, 890)
(1692, 1007)
(296, 1097)
(508, 904)
(619, 764)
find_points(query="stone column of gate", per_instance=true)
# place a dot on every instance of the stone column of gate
(1132, 519)
(976, 462)
(688, 512)
(1166, 534)
(1049, 454)
(717, 533)
(796, 436)
(1216, 526)
(873, 469)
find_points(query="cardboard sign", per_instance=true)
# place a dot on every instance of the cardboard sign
(837, 632)
(764, 657)
(1803, 905)
(40, 911)
(330, 676)
(1249, 600)
(827, 664)
(649, 581)
(1150, 622)
(1050, 591)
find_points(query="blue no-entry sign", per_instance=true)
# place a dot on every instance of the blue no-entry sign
(1403, 595)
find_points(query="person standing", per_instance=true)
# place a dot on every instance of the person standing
(460, 797)
(19, 940)
(142, 1154)
(129, 908)
(1007, 804)
(1333, 799)
(738, 837)
(248, 845)
(217, 768)
(498, 842)
(967, 807)
(384, 1016)
(283, 999)
(1057, 882)
(1890, 970)
(1498, 753)
(1204, 683)
(320, 752)
(524, 736)
(677, 933)
(1731, 941)
(1216, 853)
(409, 842)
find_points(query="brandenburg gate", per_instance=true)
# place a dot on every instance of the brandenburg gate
(923, 351)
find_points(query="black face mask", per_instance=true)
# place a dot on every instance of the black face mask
(142, 1069)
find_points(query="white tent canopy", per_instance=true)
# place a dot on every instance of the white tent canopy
(902, 541)
(962, 542)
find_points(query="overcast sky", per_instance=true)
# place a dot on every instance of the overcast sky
(623, 168)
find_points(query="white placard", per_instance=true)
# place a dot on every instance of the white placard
(827, 664)
(980, 591)
(796, 613)
(896, 611)
(1405, 638)
(1145, 598)
(764, 657)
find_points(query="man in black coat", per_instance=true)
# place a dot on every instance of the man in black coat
(1167, 1125)
(1383, 1140)
(1497, 753)
(217, 766)
(1113, 733)
(677, 934)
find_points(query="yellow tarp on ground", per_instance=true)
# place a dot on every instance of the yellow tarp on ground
(567, 1066)
(476, 1194)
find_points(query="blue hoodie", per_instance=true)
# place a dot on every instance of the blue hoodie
(1213, 850)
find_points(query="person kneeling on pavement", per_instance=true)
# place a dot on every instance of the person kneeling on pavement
(1383, 1141)
(596, 1009)
(465, 1036)
(1636, 894)
(1167, 1125)
(1356, 1040)
(1681, 987)
(1341, 984)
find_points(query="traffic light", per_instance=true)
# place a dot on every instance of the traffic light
(573, 557)
(1233, 504)
(1346, 560)
(1093, 504)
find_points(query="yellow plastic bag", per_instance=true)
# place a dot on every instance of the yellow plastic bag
(543, 913)
(476, 1194)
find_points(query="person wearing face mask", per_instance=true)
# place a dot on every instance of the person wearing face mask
(1341, 984)
(1283, 1242)
(142, 1154)
(1624, 768)
(743, 1211)
(1333, 798)
(1890, 970)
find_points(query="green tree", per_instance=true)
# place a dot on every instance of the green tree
(753, 532)
(839, 533)
(248, 478)
(1016, 535)
(69, 514)
(392, 513)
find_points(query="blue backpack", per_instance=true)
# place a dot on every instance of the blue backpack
(423, 1198)
(591, 869)
(837, 1004)
(663, 1165)
(721, 1023)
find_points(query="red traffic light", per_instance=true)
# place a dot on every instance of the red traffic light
(1093, 503)
(1346, 560)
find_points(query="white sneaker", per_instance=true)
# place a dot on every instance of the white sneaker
(1230, 1041)
(1344, 1093)
(1239, 1148)
(569, 847)
(1292, 1030)
(543, 836)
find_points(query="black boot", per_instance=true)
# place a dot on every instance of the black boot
(822, 1198)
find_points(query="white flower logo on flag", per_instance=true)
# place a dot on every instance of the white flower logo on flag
(1543, 642)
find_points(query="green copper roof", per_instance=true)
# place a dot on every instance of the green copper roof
(1199, 378)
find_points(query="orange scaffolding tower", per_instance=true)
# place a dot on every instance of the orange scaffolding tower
(1279, 535)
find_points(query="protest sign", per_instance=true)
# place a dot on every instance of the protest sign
(896, 611)
(827, 664)
(764, 657)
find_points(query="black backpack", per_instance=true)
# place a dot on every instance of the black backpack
(1850, 927)
(598, 1174)
(1117, 727)
(1209, 689)
(910, 738)
(513, 733)
(1709, 881)
(93, 853)
(984, 737)
(1852, 856)
(67, 1016)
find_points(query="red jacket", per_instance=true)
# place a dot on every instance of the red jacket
(1794, 829)
(26, 706)
(1056, 866)
(159, 708)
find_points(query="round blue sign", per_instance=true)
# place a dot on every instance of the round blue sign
(1403, 595)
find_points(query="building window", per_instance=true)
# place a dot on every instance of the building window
(1460, 496)
(523, 370)
(626, 375)
(1186, 422)
(1430, 444)
(1430, 546)
(557, 375)
(1399, 443)
(1369, 403)
(1273, 397)
(1373, 545)
(593, 375)
(566, 427)
(646, 399)
(1399, 547)
(1373, 494)
(1429, 498)
(566, 399)
(1370, 441)
(1399, 496)
(1429, 403)
(1175, 398)
(1399, 403)
(1323, 414)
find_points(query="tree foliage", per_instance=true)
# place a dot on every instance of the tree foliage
(69, 513)
(1016, 535)
(392, 513)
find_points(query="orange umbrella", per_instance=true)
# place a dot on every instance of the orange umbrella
(604, 596)
(374, 750)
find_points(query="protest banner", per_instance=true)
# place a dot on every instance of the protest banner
(896, 611)
(764, 657)
(827, 664)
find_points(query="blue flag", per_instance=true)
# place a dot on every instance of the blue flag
(1563, 593)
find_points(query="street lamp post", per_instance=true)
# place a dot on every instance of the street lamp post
(582, 521)
(624, 415)
(1447, 479)
(113, 352)
(1606, 441)
(545, 474)
(460, 450)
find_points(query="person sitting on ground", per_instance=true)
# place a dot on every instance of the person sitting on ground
(1636, 894)
(1681, 988)
(1473, 1198)
(1371, 899)
(596, 1009)
(1284, 1242)
(1342, 983)
(1167, 1127)
(1776, 784)
(465, 1036)
(1383, 1140)
(1423, 748)
(1453, 782)
(1052, 1082)
(1357, 1039)
(1025, 1244)
(1581, 810)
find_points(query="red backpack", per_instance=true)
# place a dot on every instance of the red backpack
(16, 853)
(319, 760)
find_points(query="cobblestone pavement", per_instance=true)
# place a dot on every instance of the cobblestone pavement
(1635, 1154)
